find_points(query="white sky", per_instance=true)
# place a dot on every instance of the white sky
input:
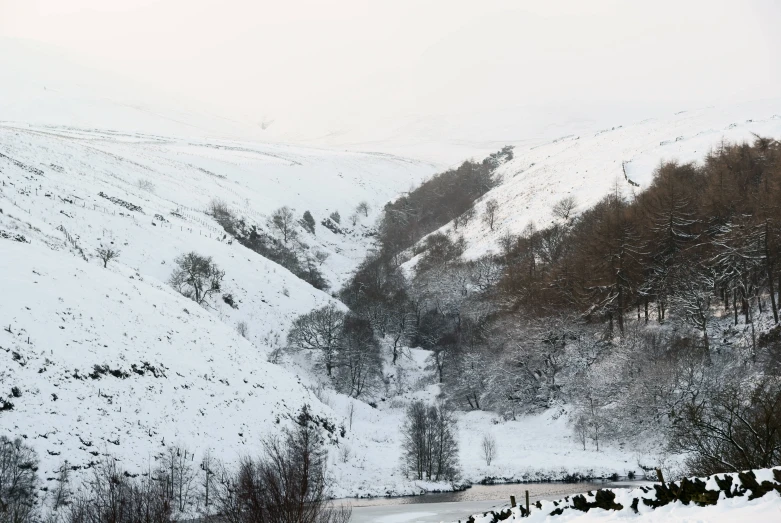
(317, 65)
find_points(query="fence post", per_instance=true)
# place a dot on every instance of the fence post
(660, 476)
(527, 504)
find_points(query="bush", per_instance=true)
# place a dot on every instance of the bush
(196, 277)
(737, 428)
(309, 222)
(287, 485)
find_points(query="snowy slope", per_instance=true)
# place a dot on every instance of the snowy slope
(108, 361)
(111, 360)
(253, 179)
(586, 165)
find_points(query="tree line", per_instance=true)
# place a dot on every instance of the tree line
(640, 313)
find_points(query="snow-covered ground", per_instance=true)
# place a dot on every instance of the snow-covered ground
(111, 360)
(729, 508)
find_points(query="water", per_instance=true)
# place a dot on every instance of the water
(454, 506)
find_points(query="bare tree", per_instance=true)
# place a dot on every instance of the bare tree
(286, 485)
(363, 208)
(735, 428)
(106, 254)
(61, 495)
(430, 448)
(581, 429)
(353, 219)
(360, 363)
(319, 330)
(564, 208)
(321, 256)
(196, 277)
(488, 445)
(208, 481)
(489, 217)
(283, 221)
(18, 481)
(112, 495)
(464, 219)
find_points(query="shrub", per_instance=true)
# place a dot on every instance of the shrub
(196, 277)
(309, 222)
(286, 485)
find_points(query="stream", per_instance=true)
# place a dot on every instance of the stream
(454, 506)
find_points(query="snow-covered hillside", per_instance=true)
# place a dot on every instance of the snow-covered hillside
(165, 175)
(112, 360)
(586, 165)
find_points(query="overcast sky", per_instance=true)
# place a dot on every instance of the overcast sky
(316, 65)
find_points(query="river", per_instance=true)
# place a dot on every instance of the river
(454, 506)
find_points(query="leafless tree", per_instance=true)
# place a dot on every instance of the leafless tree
(321, 256)
(208, 481)
(106, 254)
(319, 330)
(488, 445)
(283, 221)
(61, 494)
(430, 448)
(18, 481)
(489, 217)
(464, 218)
(288, 484)
(359, 361)
(113, 496)
(179, 476)
(196, 277)
(363, 208)
(738, 427)
(564, 208)
(581, 429)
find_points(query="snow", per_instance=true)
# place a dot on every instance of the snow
(739, 508)
(61, 317)
(219, 390)
(586, 165)
(64, 314)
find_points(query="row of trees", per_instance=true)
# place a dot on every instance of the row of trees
(437, 201)
(282, 246)
(288, 483)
